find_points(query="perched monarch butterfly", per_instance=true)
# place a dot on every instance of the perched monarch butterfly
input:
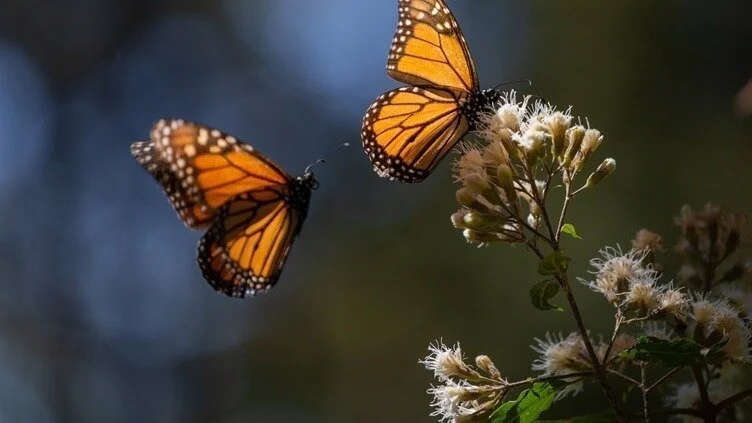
(408, 131)
(253, 208)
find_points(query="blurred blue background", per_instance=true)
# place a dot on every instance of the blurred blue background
(104, 315)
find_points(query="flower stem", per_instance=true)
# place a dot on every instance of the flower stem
(617, 324)
(531, 380)
(600, 371)
(707, 409)
(567, 196)
(644, 393)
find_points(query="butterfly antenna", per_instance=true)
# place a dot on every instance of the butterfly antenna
(529, 82)
(323, 159)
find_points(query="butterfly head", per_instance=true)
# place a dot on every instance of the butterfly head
(307, 181)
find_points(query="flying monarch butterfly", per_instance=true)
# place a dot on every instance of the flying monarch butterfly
(408, 131)
(253, 209)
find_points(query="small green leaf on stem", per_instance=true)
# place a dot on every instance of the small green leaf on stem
(678, 352)
(542, 292)
(528, 405)
(555, 263)
(568, 229)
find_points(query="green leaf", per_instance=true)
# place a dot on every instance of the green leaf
(678, 352)
(555, 263)
(542, 292)
(602, 417)
(528, 405)
(568, 229)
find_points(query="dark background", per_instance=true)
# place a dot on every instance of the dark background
(104, 316)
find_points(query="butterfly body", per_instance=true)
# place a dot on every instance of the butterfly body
(477, 103)
(253, 209)
(408, 131)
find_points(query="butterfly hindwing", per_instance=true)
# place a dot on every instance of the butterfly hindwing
(407, 131)
(429, 49)
(244, 251)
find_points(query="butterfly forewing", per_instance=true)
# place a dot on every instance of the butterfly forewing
(429, 49)
(213, 166)
(189, 212)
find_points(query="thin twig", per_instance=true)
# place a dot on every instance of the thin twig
(644, 394)
(617, 325)
(541, 205)
(577, 191)
(554, 378)
(728, 402)
(663, 378)
(623, 376)
(565, 206)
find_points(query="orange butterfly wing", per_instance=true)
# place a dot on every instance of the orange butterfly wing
(191, 213)
(244, 251)
(406, 132)
(212, 166)
(255, 208)
(429, 49)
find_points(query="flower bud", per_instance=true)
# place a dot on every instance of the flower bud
(484, 363)
(590, 142)
(479, 237)
(574, 135)
(457, 219)
(482, 222)
(506, 182)
(479, 183)
(606, 168)
(558, 124)
(466, 198)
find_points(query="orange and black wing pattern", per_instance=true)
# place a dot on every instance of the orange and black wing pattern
(212, 166)
(191, 213)
(428, 48)
(244, 251)
(253, 208)
(407, 132)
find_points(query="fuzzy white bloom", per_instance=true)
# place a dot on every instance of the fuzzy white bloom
(464, 394)
(717, 320)
(447, 402)
(616, 270)
(642, 295)
(445, 362)
(674, 302)
(562, 356)
(515, 116)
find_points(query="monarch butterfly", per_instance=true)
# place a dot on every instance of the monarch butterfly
(253, 209)
(408, 131)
